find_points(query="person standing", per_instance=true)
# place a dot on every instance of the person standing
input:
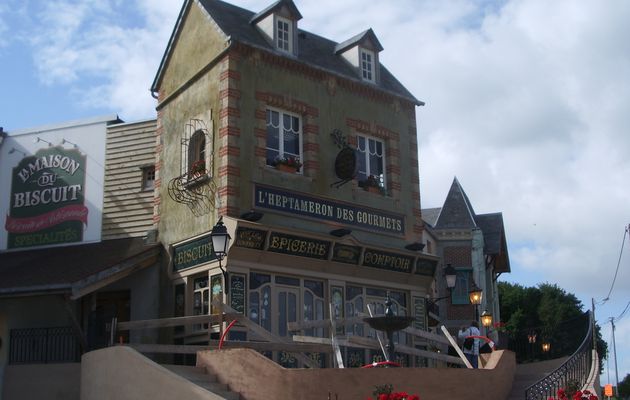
(471, 345)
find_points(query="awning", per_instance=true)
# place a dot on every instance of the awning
(74, 270)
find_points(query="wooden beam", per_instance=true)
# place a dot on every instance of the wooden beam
(454, 344)
(333, 340)
(324, 323)
(373, 344)
(175, 321)
(426, 335)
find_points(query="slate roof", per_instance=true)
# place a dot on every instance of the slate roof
(313, 50)
(457, 212)
(58, 268)
(430, 215)
(357, 39)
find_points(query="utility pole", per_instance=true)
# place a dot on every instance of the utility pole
(612, 322)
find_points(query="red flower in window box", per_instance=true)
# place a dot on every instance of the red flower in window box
(198, 168)
(288, 164)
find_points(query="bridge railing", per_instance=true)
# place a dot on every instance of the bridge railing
(575, 369)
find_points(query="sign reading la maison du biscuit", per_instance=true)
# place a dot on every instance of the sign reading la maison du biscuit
(47, 199)
(328, 210)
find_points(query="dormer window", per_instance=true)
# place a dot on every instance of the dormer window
(278, 25)
(367, 65)
(284, 35)
(361, 52)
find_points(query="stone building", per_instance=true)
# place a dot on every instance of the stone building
(475, 245)
(244, 95)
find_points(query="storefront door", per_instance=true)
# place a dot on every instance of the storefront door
(286, 309)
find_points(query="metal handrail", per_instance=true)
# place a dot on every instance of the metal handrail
(575, 368)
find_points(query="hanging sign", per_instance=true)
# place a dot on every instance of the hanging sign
(328, 210)
(47, 199)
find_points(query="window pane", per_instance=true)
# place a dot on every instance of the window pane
(282, 313)
(265, 309)
(253, 307)
(292, 313)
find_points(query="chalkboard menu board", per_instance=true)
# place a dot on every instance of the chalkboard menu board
(420, 313)
(237, 292)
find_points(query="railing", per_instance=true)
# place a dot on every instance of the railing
(43, 345)
(527, 344)
(575, 369)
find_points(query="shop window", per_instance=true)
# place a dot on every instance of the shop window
(460, 291)
(314, 305)
(201, 300)
(148, 178)
(370, 161)
(285, 280)
(216, 284)
(284, 137)
(260, 299)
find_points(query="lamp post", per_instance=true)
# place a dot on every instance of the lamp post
(220, 244)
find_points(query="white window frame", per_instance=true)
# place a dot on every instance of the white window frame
(367, 61)
(366, 154)
(280, 149)
(148, 178)
(284, 38)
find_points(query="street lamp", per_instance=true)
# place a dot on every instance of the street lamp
(486, 319)
(220, 243)
(475, 295)
(546, 346)
(451, 276)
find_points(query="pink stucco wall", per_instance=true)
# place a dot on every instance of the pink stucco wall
(258, 378)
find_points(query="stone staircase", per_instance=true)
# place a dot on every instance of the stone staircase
(201, 378)
(530, 373)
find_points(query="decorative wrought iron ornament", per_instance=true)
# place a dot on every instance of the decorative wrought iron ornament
(346, 160)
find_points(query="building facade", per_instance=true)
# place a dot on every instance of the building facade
(475, 246)
(74, 249)
(307, 150)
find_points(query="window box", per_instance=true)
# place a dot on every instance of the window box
(288, 164)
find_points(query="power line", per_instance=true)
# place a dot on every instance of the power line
(623, 312)
(618, 264)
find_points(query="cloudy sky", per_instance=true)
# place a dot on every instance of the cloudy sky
(527, 103)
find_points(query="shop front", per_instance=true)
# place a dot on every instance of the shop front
(280, 277)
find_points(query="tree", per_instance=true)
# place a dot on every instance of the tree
(548, 312)
(624, 387)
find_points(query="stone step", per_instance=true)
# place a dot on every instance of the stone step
(201, 378)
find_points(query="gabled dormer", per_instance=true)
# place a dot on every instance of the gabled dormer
(361, 52)
(278, 24)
